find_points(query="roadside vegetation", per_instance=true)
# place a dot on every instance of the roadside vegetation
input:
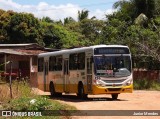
(135, 23)
(146, 84)
(19, 89)
(25, 100)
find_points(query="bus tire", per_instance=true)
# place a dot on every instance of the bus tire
(81, 94)
(58, 94)
(114, 96)
(52, 89)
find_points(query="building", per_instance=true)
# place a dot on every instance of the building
(23, 58)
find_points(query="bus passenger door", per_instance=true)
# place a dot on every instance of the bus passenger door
(66, 76)
(89, 74)
(45, 75)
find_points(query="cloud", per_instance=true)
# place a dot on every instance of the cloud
(44, 9)
(99, 14)
(9, 5)
(56, 12)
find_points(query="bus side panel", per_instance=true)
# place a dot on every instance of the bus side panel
(73, 81)
(81, 77)
(73, 88)
(49, 80)
(40, 80)
(57, 78)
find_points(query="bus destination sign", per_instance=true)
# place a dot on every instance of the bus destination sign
(98, 51)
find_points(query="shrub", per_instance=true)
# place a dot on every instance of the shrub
(29, 103)
(24, 100)
(141, 84)
(19, 89)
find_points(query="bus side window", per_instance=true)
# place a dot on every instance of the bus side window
(40, 64)
(59, 63)
(52, 61)
(55, 63)
(73, 61)
(81, 61)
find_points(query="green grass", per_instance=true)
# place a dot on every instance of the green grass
(37, 103)
(24, 100)
(41, 104)
(146, 84)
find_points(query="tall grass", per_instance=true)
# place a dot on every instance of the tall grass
(4, 93)
(146, 84)
(24, 100)
(19, 89)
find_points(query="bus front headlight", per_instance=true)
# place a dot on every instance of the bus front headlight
(128, 83)
(99, 83)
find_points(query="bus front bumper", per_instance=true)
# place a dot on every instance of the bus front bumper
(111, 90)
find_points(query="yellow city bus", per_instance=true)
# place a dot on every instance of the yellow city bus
(99, 69)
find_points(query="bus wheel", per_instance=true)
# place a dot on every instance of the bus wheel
(114, 96)
(81, 93)
(52, 89)
(59, 94)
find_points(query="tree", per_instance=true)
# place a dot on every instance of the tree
(24, 28)
(68, 20)
(67, 38)
(1, 12)
(5, 17)
(126, 10)
(47, 19)
(57, 36)
(157, 7)
(145, 6)
(83, 15)
(91, 29)
(49, 38)
(134, 8)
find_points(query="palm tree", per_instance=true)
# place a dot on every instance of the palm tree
(126, 8)
(82, 15)
(135, 7)
(145, 6)
(120, 4)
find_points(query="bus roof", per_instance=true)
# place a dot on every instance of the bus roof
(81, 49)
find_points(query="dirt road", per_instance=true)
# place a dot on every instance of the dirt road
(138, 100)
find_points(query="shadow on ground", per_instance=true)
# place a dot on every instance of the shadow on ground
(74, 98)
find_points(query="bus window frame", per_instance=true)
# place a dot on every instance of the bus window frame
(55, 64)
(76, 62)
(40, 64)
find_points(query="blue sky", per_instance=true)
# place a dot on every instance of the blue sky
(89, 4)
(60, 9)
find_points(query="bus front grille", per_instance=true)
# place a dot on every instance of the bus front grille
(114, 89)
(114, 81)
(114, 84)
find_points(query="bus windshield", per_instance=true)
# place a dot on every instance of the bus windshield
(112, 66)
